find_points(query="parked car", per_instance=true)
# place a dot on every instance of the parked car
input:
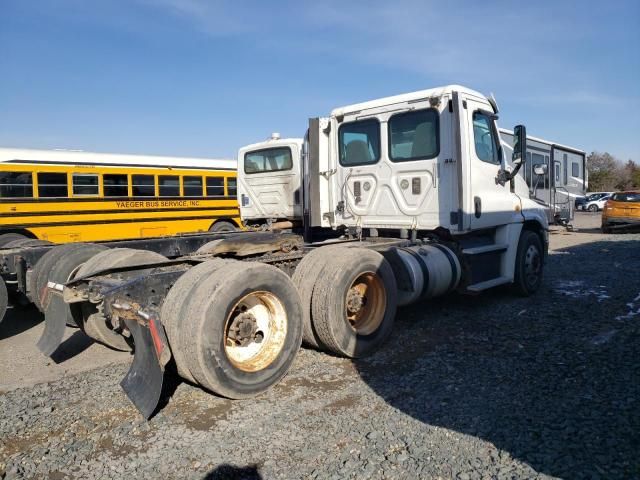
(622, 210)
(596, 201)
(581, 202)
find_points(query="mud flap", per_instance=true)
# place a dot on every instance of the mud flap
(144, 380)
(55, 316)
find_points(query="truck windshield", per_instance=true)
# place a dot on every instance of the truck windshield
(268, 160)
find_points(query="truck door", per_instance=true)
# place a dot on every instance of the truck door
(489, 203)
(269, 182)
(392, 170)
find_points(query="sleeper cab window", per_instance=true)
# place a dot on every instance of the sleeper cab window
(268, 160)
(52, 185)
(16, 185)
(192, 186)
(215, 186)
(115, 185)
(85, 184)
(359, 142)
(484, 138)
(143, 185)
(414, 135)
(169, 185)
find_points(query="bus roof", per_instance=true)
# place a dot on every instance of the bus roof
(79, 157)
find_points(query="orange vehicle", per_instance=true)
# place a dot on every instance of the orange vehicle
(622, 211)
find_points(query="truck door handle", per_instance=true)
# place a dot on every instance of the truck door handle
(477, 203)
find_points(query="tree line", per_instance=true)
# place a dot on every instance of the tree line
(607, 173)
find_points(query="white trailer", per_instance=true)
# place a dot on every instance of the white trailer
(563, 175)
(394, 201)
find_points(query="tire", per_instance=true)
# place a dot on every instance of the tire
(305, 278)
(10, 237)
(40, 272)
(373, 314)
(27, 242)
(209, 247)
(63, 269)
(593, 208)
(213, 308)
(4, 299)
(91, 316)
(223, 226)
(172, 311)
(529, 264)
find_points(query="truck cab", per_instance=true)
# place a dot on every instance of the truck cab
(405, 166)
(269, 181)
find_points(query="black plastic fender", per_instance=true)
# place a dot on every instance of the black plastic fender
(144, 380)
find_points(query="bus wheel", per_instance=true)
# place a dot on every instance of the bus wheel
(93, 320)
(304, 278)
(40, 273)
(244, 329)
(10, 237)
(172, 314)
(223, 226)
(354, 302)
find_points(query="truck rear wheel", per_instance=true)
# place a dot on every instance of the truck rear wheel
(92, 318)
(4, 299)
(529, 264)
(40, 273)
(172, 314)
(304, 278)
(354, 302)
(10, 237)
(26, 242)
(66, 265)
(245, 328)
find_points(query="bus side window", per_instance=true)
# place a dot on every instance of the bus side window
(169, 185)
(192, 186)
(143, 185)
(115, 185)
(232, 189)
(52, 185)
(215, 187)
(85, 184)
(16, 185)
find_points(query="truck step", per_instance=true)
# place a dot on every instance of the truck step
(478, 287)
(495, 247)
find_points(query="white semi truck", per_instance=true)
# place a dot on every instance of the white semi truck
(384, 203)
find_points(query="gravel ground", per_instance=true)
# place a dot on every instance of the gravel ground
(490, 386)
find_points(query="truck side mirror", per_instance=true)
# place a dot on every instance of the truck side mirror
(540, 169)
(520, 145)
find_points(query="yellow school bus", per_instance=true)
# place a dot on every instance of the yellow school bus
(71, 196)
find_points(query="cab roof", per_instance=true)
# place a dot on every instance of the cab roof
(405, 97)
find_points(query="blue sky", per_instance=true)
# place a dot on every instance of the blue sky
(202, 78)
